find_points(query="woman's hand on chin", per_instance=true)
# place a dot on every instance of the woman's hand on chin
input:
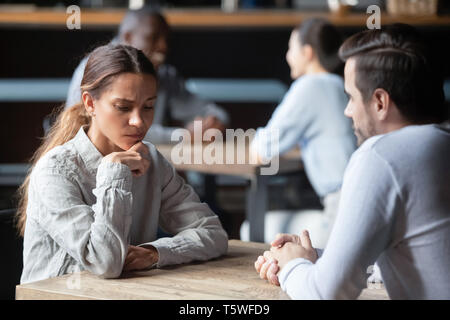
(137, 158)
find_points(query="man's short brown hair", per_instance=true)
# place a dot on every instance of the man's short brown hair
(395, 59)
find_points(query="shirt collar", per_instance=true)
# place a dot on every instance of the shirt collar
(88, 152)
(370, 142)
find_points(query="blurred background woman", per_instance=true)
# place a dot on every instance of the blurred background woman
(311, 116)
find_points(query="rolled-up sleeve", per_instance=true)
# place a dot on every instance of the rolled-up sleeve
(95, 236)
(198, 232)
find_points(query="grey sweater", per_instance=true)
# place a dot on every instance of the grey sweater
(394, 209)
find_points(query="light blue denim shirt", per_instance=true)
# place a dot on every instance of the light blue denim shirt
(83, 213)
(311, 115)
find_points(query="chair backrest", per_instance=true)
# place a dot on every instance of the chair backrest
(11, 255)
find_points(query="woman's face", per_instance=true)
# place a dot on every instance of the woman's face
(295, 56)
(123, 113)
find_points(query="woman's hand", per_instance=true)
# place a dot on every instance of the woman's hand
(137, 158)
(139, 258)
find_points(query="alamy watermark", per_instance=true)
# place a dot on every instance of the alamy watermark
(374, 20)
(73, 21)
(374, 281)
(73, 281)
(233, 149)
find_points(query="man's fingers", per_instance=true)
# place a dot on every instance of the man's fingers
(264, 268)
(267, 268)
(268, 261)
(280, 239)
(274, 280)
(259, 262)
(306, 241)
(268, 255)
(273, 269)
(272, 274)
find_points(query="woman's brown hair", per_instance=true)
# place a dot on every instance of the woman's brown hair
(104, 64)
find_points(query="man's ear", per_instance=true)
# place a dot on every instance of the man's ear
(381, 103)
(127, 37)
(88, 102)
(308, 52)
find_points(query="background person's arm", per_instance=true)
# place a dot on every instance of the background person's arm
(186, 106)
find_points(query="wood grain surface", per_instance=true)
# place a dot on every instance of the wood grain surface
(230, 277)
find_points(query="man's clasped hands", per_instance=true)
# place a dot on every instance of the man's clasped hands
(284, 248)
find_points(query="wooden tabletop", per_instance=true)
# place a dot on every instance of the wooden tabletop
(246, 168)
(56, 17)
(229, 277)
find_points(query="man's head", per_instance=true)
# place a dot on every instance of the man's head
(146, 30)
(390, 81)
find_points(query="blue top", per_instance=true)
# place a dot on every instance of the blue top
(311, 115)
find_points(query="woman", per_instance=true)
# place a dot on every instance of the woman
(311, 116)
(97, 193)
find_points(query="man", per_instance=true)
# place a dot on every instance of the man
(148, 31)
(395, 201)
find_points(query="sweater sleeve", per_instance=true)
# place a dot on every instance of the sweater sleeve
(362, 231)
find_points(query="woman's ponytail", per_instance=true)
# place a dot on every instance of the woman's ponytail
(66, 126)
